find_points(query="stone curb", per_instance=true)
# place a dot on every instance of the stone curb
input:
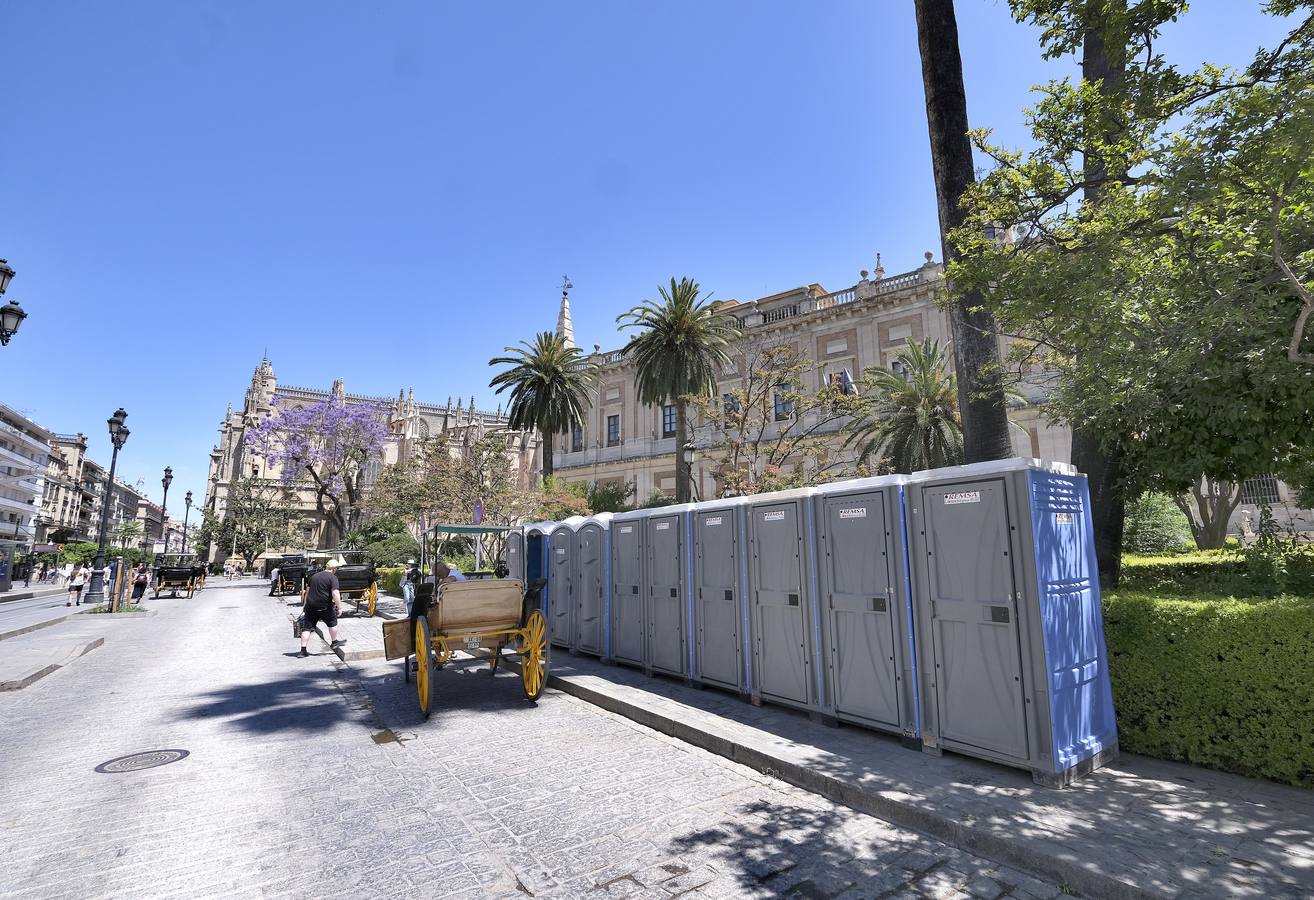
(38, 674)
(884, 805)
(31, 595)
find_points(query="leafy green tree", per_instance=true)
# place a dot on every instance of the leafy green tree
(681, 344)
(258, 517)
(773, 430)
(1154, 524)
(611, 498)
(393, 549)
(975, 340)
(912, 420)
(1146, 266)
(128, 533)
(561, 501)
(549, 383)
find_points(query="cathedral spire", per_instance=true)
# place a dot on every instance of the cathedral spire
(565, 328)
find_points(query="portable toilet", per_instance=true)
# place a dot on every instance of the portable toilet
(593, 584)
(866, 610)
(561, 581)
(784, 625)
(536, 558)
(668, 609)
(721, 655)
(515, 554)
(626, 629)
(1011, 637)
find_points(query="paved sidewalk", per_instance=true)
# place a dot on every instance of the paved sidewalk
(1138, 828)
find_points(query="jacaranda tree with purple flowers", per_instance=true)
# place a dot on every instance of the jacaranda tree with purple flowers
(326, 447)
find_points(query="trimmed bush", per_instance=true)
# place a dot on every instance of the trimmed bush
(1223, 683)
(1208, 571)
(390, 579)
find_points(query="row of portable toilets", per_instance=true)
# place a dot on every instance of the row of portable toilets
(958, 608)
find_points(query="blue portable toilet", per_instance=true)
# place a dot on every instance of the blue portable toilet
(593, 584)
(561, 577)
(722, 655)
(625, 628)
(865, 604)
(536, 558)
(1010, 634)
(784, 621)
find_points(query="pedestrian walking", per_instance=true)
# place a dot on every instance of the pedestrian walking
(410, 578)
(273, 581)
(27, 575)
(323, 604)
(141, 580)
(76, 581)
(65, 573)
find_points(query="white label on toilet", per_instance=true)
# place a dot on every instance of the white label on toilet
(962, 497)
(778, 516)
(712, 520)
(1063, 518)
(626, 529)
(662, 526)
(858, 512)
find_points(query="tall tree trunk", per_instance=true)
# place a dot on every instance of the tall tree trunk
(683, 474)
(547, 456)
(976, 349)
(1103, 467)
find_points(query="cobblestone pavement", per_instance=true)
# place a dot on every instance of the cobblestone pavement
(306, 777)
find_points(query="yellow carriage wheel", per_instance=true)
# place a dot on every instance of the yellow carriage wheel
(534, 655)
(374, 600)
(424, 667)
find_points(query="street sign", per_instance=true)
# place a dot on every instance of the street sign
(159, 547)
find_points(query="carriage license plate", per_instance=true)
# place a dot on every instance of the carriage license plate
(473, 643)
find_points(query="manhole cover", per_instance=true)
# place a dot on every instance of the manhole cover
(134, 761)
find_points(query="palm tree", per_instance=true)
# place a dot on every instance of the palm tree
(913, 419)
(549, 382)
(981, 393)
(681, 344)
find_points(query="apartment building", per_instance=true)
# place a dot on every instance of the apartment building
(24, 462)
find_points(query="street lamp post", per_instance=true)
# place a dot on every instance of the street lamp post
(11, 314)
(118, 437)
(164, 506)
(187, 502)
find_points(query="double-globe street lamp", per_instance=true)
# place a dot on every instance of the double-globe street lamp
(11, 314)
(187, 502)
(118, 437)
(164, 506)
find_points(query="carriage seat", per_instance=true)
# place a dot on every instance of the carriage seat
(477, 605)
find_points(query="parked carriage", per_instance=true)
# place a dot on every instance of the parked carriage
(176, 572)
(471, 616)
(198, 576)
(291, 574)
(357, 580)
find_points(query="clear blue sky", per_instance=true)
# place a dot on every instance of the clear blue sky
(391, 192)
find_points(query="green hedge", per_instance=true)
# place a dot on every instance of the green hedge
(390, 579)
(1221, 571)
(1223, 683)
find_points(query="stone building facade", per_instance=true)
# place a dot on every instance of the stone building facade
(409, 421)
(853, 329)
(24, 462)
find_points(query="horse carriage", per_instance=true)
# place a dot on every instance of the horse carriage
(176, 572)
(198, 576)
(357, 580)
(481, 617)
(291, 574)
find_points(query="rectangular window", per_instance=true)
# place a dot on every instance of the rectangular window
(784, 407)
(576, 438)
(613, 430)
(668, 421)
(1260, 489)
(730, 403)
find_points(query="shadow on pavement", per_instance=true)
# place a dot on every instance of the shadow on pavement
(460, 686)
(308, 701)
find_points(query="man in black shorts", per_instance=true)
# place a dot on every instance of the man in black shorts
(323, 604)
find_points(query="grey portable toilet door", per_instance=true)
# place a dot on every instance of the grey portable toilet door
(515, 555)
(779, 645)
(665, 595)
(974, 632)
(627, 599)
(588, 609)
(717, 634)
(561, 594)
(860, 605)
